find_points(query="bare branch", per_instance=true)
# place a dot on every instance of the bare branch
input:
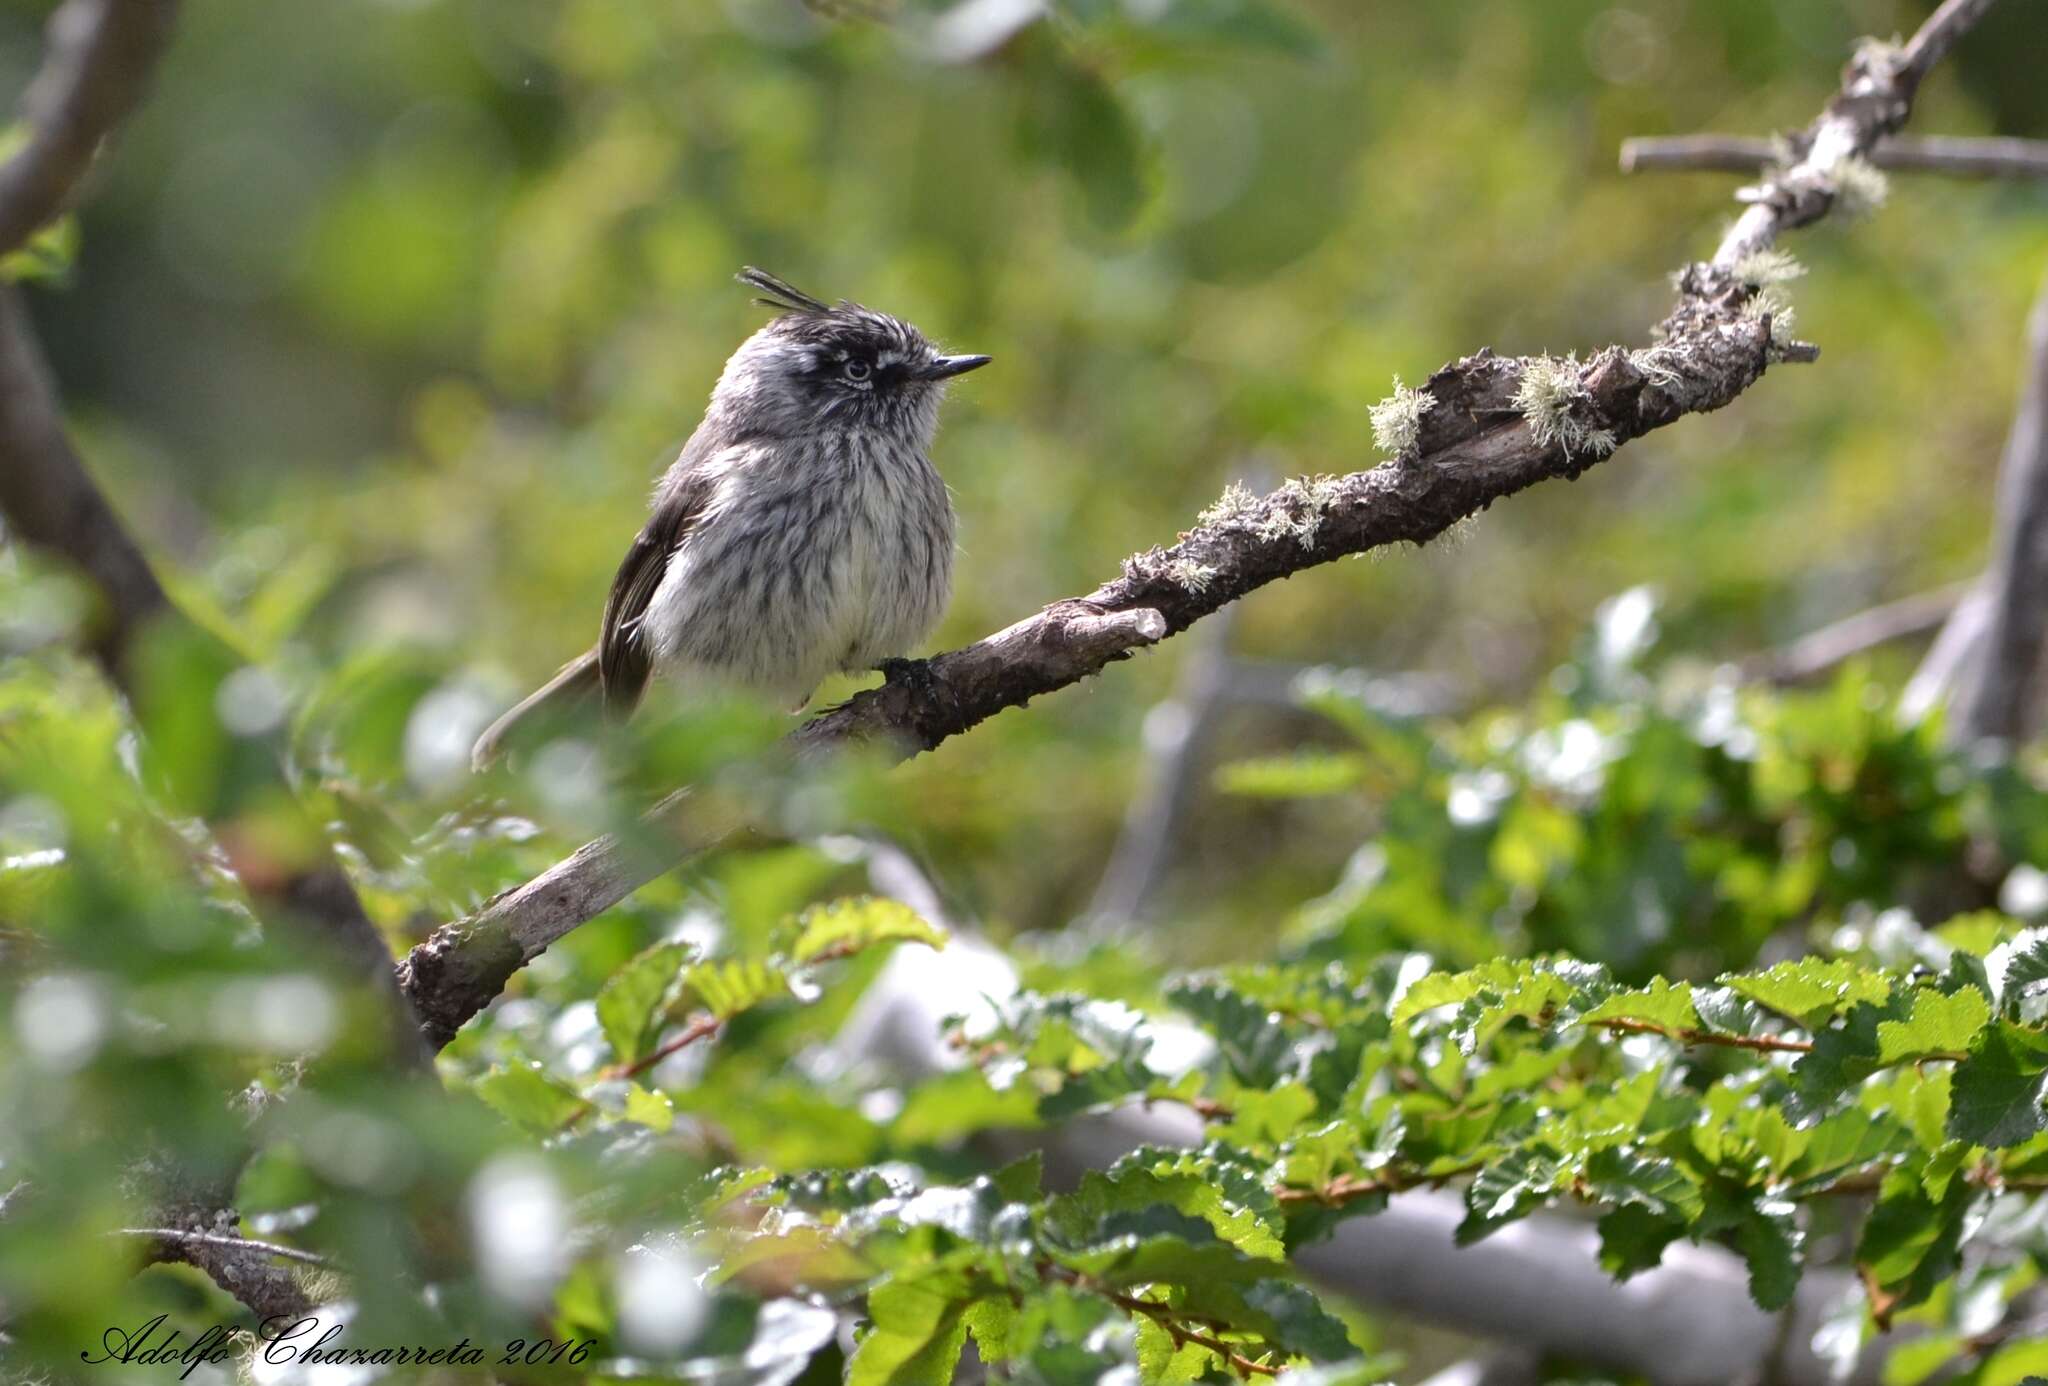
(1482, 437)
(1818, 651)
(210, 1242)
(50, 501)
(101, 54)
(2001, 689)
(216, 1239)
(1962, 157)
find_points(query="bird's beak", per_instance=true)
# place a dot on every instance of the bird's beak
(946, 367)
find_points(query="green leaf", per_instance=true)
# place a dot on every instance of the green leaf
(1936, 1025)
(2020, 966)
(653, 1110)
(1909, 1243)
(1996, 1096)
(848, 926)
(1811, 990)
(1072, 121)
(919, 1327)
(1507, 1190)
(633, 1002)
(1255, 1041)
(1624, 1177)
(1841, 1058)
(1633, 1238)
(1164, 1362)
(1237, 1207)
(734, 985)
(1667, 1005)
(1769, 1239)
(527, 1095)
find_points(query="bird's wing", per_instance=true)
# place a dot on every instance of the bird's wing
(624, 659)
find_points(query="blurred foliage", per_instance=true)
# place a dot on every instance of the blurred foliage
(380, 323)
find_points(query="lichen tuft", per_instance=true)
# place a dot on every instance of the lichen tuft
(1397, 420)
(1860, 186)
(1189, 575)
(1762, 268)
(1231, 509)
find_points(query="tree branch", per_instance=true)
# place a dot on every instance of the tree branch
(248, 1270)
(1816, 652)
(1483, 428)
(100, 58)
(2001, 686)
(2001, 157)
(97, 68)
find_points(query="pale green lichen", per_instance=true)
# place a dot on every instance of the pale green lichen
(1860, 187)
(1876, 55)
(1313, 495)
(1550, 398)
(1659, 364)
(1772, 306)
(1232, 508)
(1397, 419)
(1190, 575)
(1761, 268)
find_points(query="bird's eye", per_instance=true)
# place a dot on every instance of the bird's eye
(858, 371)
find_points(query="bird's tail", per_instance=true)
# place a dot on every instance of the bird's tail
(576, 681)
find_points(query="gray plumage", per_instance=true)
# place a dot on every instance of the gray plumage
(802, 532)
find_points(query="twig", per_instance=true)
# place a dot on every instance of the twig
(703, 1027)
(2001, 690)
(1998, 157)
(1762, 1044)
(1818, 651)
(190, 1238)
(1177, 736)
(244, 1268)
(101, 54)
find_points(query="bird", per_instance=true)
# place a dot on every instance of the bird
(803, 530)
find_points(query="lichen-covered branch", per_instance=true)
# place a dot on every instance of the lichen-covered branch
(1481, 429)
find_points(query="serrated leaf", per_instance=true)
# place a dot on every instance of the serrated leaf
(1633, 1238)
(1667, 1005)
(1769, 1239)
(727, 988)
(633, 1001)
(1909, 1241)
(1507, 1190)
(1936, 1025)
(526, 1095)
(2020, 967)
(918, 1331)
(1811, 990)
(1164, 1360)
(1626, 1177)
(1188, 1185)
(1254, 1039)
(848, 926)
(1841, 1058)
(1996, 1096)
